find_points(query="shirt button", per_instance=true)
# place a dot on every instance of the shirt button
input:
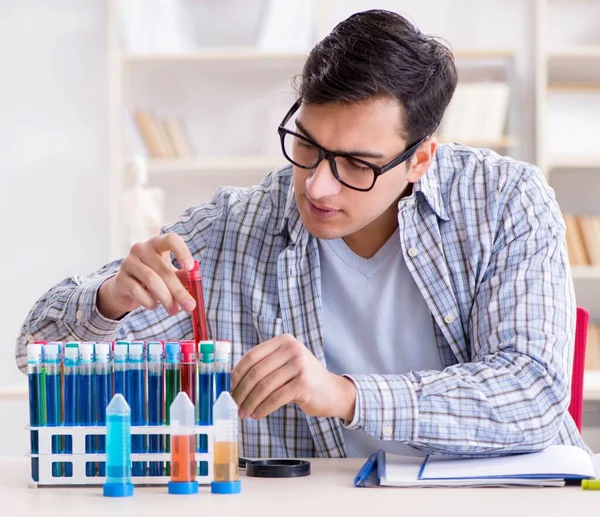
(413, 252)
(449, 319)
(465, 447)
(410, 202)
(79, 315)
(387, 431)
(30, 338)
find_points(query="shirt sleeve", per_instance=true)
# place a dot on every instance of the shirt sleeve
(69, 312)
(513, 395)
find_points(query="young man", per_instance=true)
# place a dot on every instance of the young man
(382, 291)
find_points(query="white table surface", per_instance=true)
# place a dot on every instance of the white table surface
(327, 491)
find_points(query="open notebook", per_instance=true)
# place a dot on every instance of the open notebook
(550, 467)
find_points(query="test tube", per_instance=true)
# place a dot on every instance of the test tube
(205, 395)
(71, 369)
(199, 325)
(222, 367)
(226, 477)
(36, 401)
(155, 402)
(120, 367)
(136, 397)
(172, 384)
(52, 365)
(85, 398)
(102, 394)
(118, 448)
(188, 369)
(183, 446)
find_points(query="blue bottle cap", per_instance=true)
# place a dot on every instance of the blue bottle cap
(118, 489)
(226, 487)
(183, 487)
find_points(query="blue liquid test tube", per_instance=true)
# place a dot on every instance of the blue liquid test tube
(120, 367)
(85, 399)
(102, 396)
(52, 366)
(206, 395)
(222, 367)
(36, 402)
(136, 397)
(71, 366)
(156, 394)
(118, 448)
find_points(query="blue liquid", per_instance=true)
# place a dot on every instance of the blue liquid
(137, 401)
(70, 415)
(119, 380)
(223, 383)
(53, 403)
(206, 414)
(85, 399)
(118, 449)
(155, 417)
(103, 396)
(34, 421)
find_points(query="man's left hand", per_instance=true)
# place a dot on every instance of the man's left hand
(282, 370)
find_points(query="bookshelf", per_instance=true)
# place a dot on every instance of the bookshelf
(215, 88)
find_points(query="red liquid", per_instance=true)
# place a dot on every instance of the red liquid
(188, 369)
(199, 315)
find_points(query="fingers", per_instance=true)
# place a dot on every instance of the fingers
(172, 289)
(258, 381)
(173, 243)
(278, 398)
(257, 354)
(138, 293)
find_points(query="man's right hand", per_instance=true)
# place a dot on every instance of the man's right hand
(147, 278)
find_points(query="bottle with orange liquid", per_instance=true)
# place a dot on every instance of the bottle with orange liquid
(226, 456)
(183, 446)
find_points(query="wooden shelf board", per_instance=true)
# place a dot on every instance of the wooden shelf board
(217, 54)
(579, 52)
(585, 272)
(504, 142)
(158, 166)
(574, 87)
(574, 161)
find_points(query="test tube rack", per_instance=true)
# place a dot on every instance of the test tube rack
(79, 458)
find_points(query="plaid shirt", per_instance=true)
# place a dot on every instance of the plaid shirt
(485, 241)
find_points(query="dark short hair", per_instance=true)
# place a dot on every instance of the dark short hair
(380, 53)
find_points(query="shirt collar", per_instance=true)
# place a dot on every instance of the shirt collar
(291, 220)
(429, 187)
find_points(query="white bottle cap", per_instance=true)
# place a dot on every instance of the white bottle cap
(86, 352)
(34, 353)
(222, 350)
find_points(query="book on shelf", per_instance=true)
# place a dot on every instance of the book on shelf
(161, 138)
(583, 239)
(478, 111)
(592, 351)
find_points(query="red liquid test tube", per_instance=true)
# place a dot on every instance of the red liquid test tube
(188, 369)
(199, 314)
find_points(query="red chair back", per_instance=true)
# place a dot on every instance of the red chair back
(576, 405)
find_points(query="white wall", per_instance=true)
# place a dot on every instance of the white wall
(53, 142)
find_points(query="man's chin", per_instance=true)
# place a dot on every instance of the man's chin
(323, 229)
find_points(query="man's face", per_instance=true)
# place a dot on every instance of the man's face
(369, 130)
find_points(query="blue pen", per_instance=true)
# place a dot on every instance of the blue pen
(70, 367)
(85, 399)
(120, 367)
(206, 395)
(53, 399)
(102, 396)
(136, 398)
(156, 392)
(36, 402)
(222, 367)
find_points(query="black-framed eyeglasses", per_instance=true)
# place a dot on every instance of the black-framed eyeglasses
(349, 170)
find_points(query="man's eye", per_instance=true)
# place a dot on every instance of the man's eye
(357, 165)
(304, 145)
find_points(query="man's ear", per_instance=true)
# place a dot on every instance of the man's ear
(422, 159)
